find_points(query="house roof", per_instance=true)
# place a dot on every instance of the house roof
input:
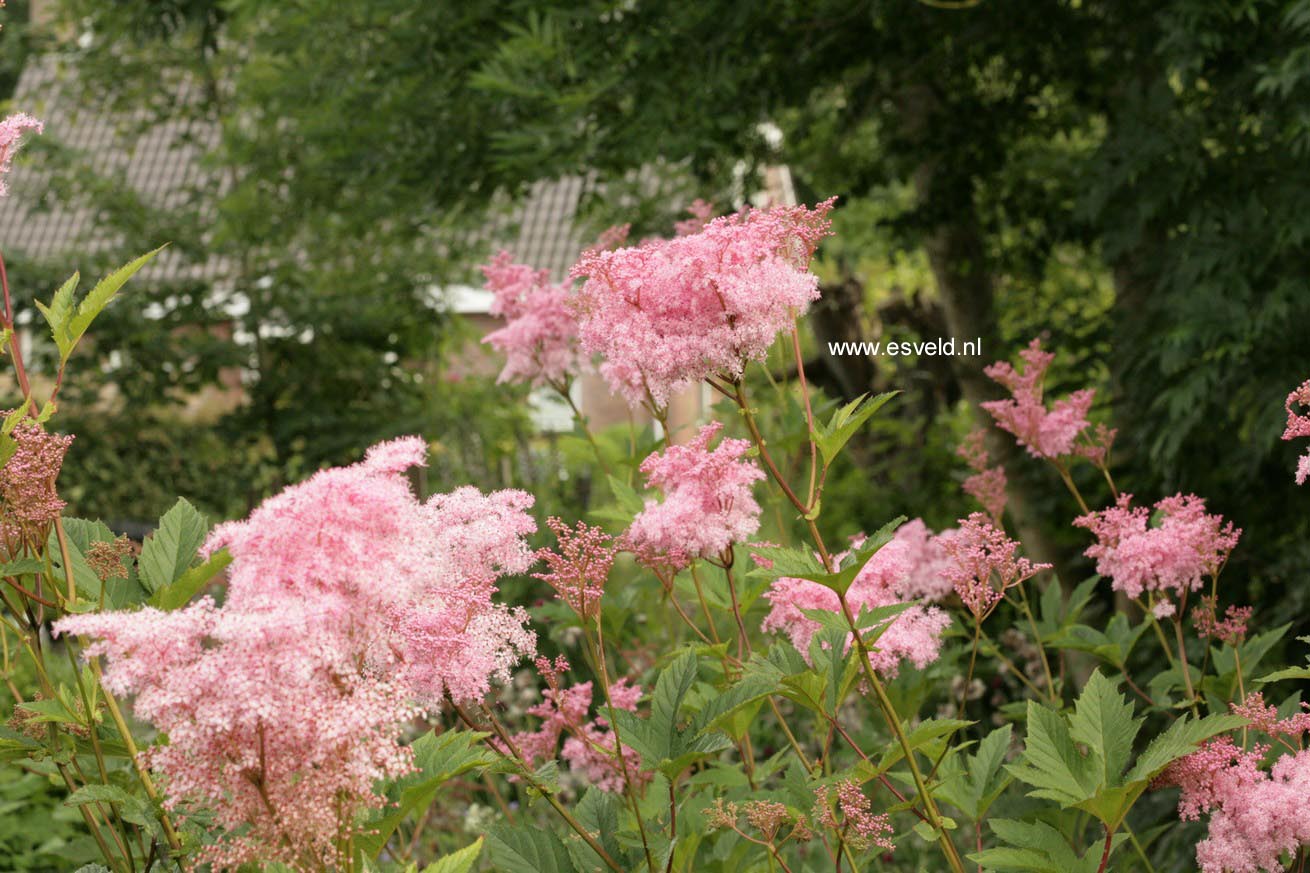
(160, 162)
(163, 163)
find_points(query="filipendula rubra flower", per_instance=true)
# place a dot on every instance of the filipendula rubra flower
(857, 822)
(1045, 433)
(540, 336)
(708, 504)
(11, 132)
(668, 313)
(579, 566)
(1168, 558)
(1257, 816)
(987, 484)
(589, 744)
(1298, 425)
(351, 606)
(914, 635)
(984, 564)
(29, 502)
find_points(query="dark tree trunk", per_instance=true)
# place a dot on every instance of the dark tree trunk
(965, 287)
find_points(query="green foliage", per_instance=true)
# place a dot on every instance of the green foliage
(1037, 847)
(973, 785)
(438, 758)
(528, 850)
(1058, 769)
(168, 553)
(668, 741)
(1132, 185)
(832, 437)
(186, 586)
(457, 862)
(69, 323)
(804, 565)
(37, 833)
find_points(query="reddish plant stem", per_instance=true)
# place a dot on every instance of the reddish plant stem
(882, 777)
(628, 787)
(1105, 855)
(764, 451)
(15, 351)
(29, 594)
(809, 411)
(884, 703)
(531, 779)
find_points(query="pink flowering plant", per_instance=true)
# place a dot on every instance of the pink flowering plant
(709, 673)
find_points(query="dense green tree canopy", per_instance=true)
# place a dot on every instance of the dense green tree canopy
(1124, 178)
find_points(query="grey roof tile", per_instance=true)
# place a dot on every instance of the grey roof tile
(162, 163)
(158, 162)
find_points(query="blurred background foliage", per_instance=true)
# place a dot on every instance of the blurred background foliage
(1125, 180)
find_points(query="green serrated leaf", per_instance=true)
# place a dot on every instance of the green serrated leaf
(1287, 673)
(832, 437)
(98, 794)
(786, 562)
(59, 314)
(1103, 721)
(22, 567)
(167, 553)
(720, 709)
(457, 862)
(598, 811)
(52, 711)
(628, 499)
(1037, 847)
(98, 298)
(438, 758)
(973, 785)
(15, 416)
(1051, 763)
(179, 594)
(671, 689)
(528, 850)
(928, 733)
(1179, 739)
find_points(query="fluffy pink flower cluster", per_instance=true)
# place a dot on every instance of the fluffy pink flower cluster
(858, 824)
(579, 568)
(1256, 816)
(708, 504)
(350, 606)
(540, 337)
(668, 313)
(701, 212)
(1046, 433)
(1298, 425)
(889, 577)
(987, 484)
(1230, 629)
(11, 132)
(27, 484)
(1264, 717)
(927, 559)
(984, 564)
(589, 745)
(1174, 555)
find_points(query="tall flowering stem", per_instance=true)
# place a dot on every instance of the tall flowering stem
(33, 509)
(984, 567)
(1298, 425)
(629, 785)
(885, 705)
(526, 772)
